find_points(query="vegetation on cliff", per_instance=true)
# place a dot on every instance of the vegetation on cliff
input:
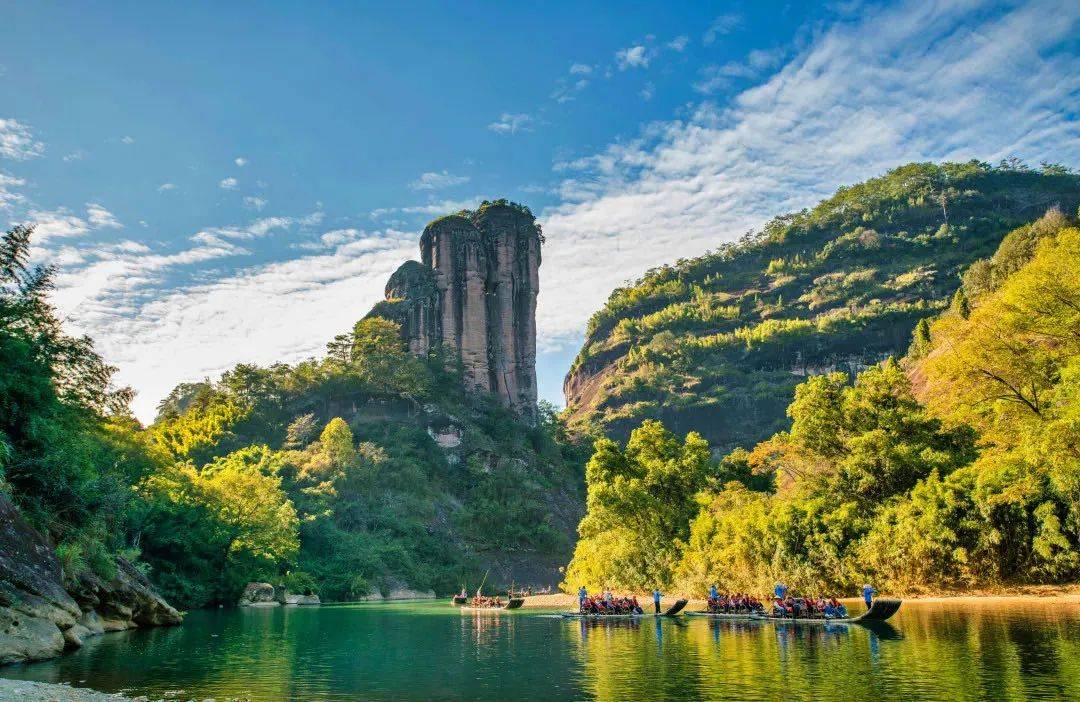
(717, 344)
(369, 468)
(957, 466)
(355, 489)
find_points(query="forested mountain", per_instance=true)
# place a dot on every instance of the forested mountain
(956, 466)
(373, 469)
(717, 344)
(367, 470)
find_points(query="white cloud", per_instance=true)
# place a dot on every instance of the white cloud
(254, 203)
(17, 141)
(257, 229)
(580, 69)
(436, 181)
(723, 24)
(565, 92)
(57, 224)
(337, 237)
(101, 218)
(647, 92)
(679, 43)
(511, 123)
(127, 140)
(712, 78)
(76, 155)
(899, 84)
(165, 187)
(632, 57)
(8, 196)
(240, 161)
(228, 183)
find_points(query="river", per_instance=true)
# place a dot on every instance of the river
(995, 650)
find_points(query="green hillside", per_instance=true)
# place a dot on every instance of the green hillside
(398, 477)
(717, 344)
(954, 468)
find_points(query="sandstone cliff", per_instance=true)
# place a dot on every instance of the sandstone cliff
(474, 293)
(40, 615)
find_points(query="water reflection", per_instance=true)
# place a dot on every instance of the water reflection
(429, 651)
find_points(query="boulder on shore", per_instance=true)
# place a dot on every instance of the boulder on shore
(41, 615)
(291, 598)
(258, 595)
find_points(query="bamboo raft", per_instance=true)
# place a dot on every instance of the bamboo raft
(669, 612)
(879, 611)
(512, 603)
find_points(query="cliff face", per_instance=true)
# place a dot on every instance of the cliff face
(474, 293)
(41, 614)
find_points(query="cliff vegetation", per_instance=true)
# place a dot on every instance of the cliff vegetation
(717, 344)
(954, 467)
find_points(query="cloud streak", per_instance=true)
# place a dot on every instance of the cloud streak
(433, 180)
(17, 142)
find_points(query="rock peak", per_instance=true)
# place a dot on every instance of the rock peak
(474, 293)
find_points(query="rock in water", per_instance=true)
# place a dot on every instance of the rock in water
(474, 293)
(258, 595)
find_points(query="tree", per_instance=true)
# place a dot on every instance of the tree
(640, 501)
(960, 306)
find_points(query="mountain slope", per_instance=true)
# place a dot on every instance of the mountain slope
(717, 344)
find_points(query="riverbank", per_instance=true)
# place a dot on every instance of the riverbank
(27, 691)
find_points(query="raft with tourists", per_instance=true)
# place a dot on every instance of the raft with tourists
(619, 608)
(799, 610)
(492, 604)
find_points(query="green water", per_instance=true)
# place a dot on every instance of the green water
(430, 651)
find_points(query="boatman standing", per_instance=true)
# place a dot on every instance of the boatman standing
(656, 599)
(582, 594)
(868, 593)
(780, 591)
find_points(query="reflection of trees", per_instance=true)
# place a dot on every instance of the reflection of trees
(934, 651)
(623, 659)
(956, 651)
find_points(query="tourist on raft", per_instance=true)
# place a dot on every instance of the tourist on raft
(808, 608)
(487, 602)
(615, 605)
(738, 603)
(656, 595)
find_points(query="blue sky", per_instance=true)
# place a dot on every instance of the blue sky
(227, 182)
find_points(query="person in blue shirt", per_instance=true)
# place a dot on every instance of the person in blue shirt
(868, 593)
(656, 599)
(582, 594)
(780, 591)
(714, 594)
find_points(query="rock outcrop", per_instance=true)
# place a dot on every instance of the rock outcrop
(40, 616)
(292, 599)
(258, 595)
(474, 294)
